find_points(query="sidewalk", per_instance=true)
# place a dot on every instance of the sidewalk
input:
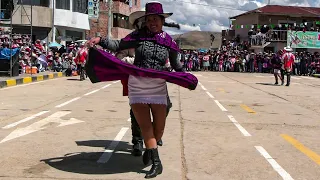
(28, 78)
(316, 75)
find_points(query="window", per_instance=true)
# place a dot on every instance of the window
(6, 9)
(74, 35)
(63, 4)
(43, 3)
(135, 2)
(80, 6)
(121, 21)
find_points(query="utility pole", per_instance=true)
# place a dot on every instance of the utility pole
(268, 2)
(109, 17)
(53, 27)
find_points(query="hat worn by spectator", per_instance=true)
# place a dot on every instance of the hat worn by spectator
(288, 49)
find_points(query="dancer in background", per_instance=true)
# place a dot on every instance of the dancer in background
(288, 60)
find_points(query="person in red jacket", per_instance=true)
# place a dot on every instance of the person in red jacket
(288, 60)
(80, 60)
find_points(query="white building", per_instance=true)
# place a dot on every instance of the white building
(70, 19)
(66, 19)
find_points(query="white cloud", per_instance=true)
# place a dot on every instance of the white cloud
(213, 14)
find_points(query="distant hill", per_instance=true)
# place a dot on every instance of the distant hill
(198, 39)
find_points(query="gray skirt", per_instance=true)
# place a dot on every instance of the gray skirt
(144, 90)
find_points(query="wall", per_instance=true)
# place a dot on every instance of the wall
(122, 8)
(118, 33)
(66, 18)
(101, 25)
(276, 19)
(245, 20)
(41, 16)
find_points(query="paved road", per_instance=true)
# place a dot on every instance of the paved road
(233, 126)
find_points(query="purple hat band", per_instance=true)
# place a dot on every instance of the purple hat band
(154, 8)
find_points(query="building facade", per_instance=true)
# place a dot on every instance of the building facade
(274, 19)
(71, 20)
(52, 20)
(121, 9)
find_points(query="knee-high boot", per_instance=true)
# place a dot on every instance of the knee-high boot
(137, 139)
(156, 167)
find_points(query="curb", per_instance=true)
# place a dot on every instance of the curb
(26, 80)
(316, 75)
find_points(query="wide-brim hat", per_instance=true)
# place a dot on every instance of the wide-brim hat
(152, 8)
(288, 49)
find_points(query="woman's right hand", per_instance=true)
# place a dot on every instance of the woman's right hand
(92, 42)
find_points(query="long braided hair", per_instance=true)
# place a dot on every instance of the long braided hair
(140, 23)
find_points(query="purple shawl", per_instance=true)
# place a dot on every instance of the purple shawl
(162, 38)
(102, 66)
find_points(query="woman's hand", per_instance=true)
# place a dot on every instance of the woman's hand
(92, 42)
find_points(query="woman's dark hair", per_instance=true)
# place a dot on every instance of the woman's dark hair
(172, 24)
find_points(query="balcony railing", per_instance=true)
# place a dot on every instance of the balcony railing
(277, 35)
(271, 36)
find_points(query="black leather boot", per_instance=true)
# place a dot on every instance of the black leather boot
(160, 143)
(137, 148)
(137, 140)
(156, 167)
(146, 158)
(147, 154)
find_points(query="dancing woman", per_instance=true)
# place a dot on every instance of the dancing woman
(152, 47)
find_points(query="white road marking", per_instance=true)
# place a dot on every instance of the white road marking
(22, 85)
(77, 98)
(105, 86)
(94, 91)
(237, 124)
(24, 120)
(274, 164)
(202, 86)
(65, 103)
(210, 95)
(129, 119)
(220, 105)
(39, 125)
(109, 151)
(197, 75)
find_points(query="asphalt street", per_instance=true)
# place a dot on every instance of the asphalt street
(234, 126)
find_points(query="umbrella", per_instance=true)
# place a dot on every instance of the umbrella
(54, 44)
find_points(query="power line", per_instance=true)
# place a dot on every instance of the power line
(208, 5)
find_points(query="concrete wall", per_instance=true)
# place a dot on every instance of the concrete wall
(118, 33)
(67, 18)
(245, 20)
(41, 16)
(122, 8)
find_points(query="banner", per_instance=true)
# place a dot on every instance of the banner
(300, 39)
(93, 9)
